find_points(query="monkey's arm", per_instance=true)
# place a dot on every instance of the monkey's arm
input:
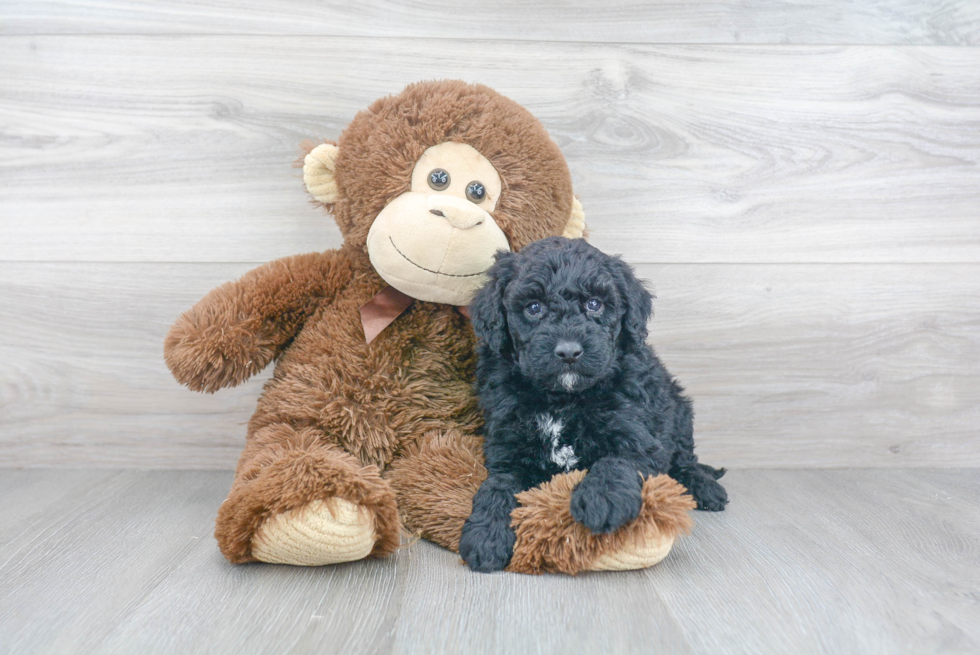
(240, 327)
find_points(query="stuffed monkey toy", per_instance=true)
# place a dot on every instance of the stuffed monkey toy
(370, 421)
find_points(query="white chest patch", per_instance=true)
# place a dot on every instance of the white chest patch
(563, 456)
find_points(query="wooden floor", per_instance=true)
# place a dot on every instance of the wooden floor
(832, 561)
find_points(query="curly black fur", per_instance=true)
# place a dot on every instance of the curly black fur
(567, 381)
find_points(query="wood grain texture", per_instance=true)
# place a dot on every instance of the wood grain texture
(95, 387)
(825, 365)
(788, 365)
(179, 148)
(932, 22)
(870, 561)
(832, 562)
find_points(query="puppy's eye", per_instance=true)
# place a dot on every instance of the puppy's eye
(439, 179)
(593, 305)
(533, 309)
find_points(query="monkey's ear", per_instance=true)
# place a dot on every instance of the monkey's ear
(318, 173)
(487, 310)
(575, 228)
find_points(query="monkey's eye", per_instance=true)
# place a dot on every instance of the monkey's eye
(475, 192)
(439, 179)
(533, 309)
(593, 305)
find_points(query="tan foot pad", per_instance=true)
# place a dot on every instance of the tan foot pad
(322, 532)
(641, 556)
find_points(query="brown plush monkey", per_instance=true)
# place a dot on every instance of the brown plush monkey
(370, 420)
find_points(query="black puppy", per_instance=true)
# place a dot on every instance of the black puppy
(567, 381)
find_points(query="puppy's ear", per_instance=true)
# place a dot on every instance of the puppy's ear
(638, 301)
(487, 309)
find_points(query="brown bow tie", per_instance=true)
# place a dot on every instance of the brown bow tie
(387, 305)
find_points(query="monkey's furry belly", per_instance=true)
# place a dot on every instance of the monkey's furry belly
(376, 399)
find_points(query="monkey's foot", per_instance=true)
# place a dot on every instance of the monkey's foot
(299, 501)
(321, 532)
(550, 540)
(646, 552)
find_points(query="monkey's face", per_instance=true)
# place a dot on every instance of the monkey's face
(435, 241)
(431, 217)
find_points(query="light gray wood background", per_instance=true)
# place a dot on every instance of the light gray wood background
(802, 562)
(800, 182)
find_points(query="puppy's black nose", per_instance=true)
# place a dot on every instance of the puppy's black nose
(568, 351)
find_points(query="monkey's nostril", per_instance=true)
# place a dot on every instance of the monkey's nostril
(437, 212)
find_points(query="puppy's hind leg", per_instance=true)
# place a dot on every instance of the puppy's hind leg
(715, 474)
(701, 482)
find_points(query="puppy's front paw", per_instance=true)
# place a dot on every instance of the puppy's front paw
(486, 545)
(603, 505)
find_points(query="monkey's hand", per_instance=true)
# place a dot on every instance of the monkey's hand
(239, 328)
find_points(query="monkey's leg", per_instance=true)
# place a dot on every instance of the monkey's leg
(436, 480)
(300, 499)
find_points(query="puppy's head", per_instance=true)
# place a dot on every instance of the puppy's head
(562, 312)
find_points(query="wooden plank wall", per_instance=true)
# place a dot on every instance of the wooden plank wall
(799, 182)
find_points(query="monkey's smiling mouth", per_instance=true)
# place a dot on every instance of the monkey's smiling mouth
(429, 270)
